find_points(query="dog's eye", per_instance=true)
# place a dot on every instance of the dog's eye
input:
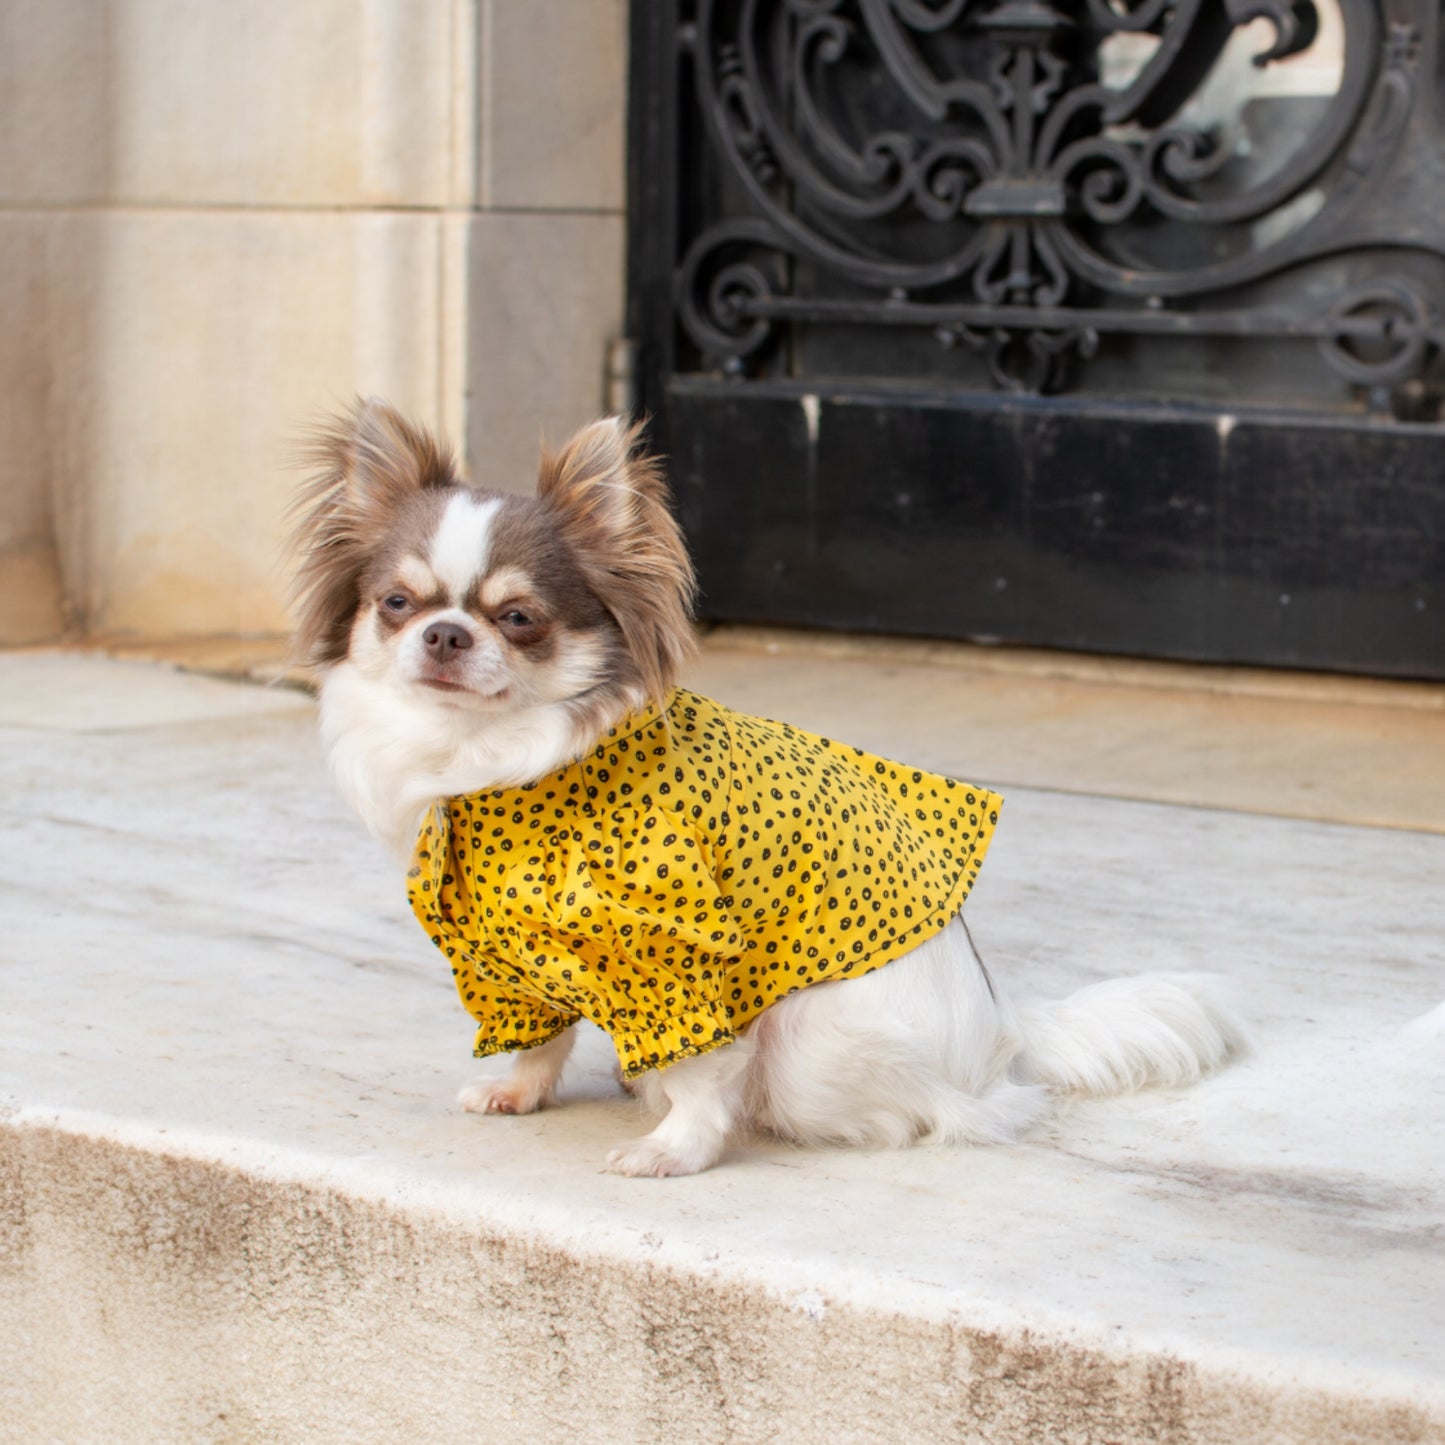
(514, 618)
(396, 603)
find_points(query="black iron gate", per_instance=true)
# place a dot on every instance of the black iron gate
(1105, 324)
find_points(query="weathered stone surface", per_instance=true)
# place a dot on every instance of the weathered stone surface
(546, 298)
(555, 105)
(274, 103)
(239, 1203)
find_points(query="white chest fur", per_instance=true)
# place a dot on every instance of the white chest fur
(393, 754)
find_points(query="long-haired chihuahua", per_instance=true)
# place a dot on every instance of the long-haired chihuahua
(768, 924)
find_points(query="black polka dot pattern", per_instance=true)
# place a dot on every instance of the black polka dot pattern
(699, 866)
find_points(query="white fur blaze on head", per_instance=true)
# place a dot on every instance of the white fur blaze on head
(462, 545)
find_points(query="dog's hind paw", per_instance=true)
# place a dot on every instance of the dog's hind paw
(651, 1158)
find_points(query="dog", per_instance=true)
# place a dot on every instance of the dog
(767, 923)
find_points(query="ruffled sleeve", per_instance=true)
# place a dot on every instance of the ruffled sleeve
(614, 916)
(510, 1015)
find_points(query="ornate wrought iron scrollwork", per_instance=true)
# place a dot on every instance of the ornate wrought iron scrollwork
(975, 168)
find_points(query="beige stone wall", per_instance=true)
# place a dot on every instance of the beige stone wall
(219, 219)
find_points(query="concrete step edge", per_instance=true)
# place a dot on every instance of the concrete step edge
(247, 1283)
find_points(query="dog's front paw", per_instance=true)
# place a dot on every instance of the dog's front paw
(649, 1157)
(503, 1096)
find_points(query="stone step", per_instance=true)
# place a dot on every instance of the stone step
(240, 1203)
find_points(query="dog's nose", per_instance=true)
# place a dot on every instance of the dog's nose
(445, 639)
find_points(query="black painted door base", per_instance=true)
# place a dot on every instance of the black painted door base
(1145, 530)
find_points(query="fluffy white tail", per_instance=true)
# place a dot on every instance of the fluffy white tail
(1128, 1033)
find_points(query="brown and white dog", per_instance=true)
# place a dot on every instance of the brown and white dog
(469, 640)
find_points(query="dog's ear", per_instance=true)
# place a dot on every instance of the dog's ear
(378, 457)
(364, 464)
(612, 507)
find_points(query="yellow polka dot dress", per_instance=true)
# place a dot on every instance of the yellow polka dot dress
(695, 868)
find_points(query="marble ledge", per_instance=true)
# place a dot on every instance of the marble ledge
(219, 999)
